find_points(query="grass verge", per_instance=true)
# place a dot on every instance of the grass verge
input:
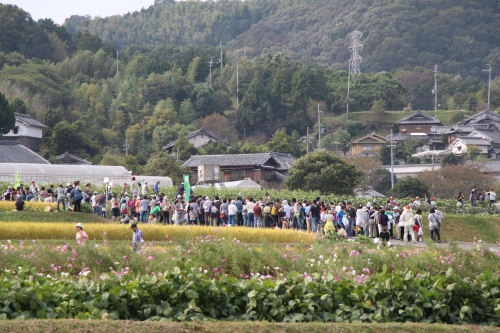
(80, 326)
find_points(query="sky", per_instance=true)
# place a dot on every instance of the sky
(59, 10)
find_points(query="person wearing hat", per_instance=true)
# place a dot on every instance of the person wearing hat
(416, 203)
(408, 220)
(81, 236)
(137, 237)
(396, 220)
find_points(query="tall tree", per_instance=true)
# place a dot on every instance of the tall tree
(7, 118)
(325, 172)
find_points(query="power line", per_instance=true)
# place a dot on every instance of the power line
(355, 48)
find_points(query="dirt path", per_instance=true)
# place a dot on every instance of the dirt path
(463, 245)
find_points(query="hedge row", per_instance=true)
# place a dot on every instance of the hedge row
(188, 295)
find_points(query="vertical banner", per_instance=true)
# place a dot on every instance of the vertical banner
(18, 180)
(187, 187)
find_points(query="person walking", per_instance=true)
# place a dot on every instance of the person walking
(137, 237)
(409, 222)
(143, 212)
(81, 236)
(372, 232)
(434, 224)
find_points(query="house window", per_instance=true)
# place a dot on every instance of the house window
(419, 127)
(268, 175)
(365, 148)
(237, 175)
(15, 130)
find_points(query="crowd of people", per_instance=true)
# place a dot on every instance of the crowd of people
(372, 220)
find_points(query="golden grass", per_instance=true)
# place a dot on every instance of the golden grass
(58, 230)
(10, 205)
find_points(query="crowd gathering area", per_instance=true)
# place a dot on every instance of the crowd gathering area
(270, 256)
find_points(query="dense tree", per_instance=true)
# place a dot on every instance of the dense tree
(325, 172)
(449, 159)
(7, 118)
(163, 164)
(409, 187)
(284, 143)
(18, 106)
(448, 181)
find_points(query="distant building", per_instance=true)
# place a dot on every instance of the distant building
(67, 158)
(368, 145)
(269, 170)
(485, 117)
(417, 122)
(199, 139)
(27, 130)
(14, 152)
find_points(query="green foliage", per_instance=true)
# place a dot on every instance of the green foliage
(215, 148)
(450, 159)
(18, 106)
(184, 148)
(163, 164)
(409, 187)
(413, 160)
(384, 154)
(283, 143)
(473, 152)
(7, 118)
(380, 180)
(325, 172)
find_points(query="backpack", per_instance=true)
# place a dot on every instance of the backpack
(214, 209)
(274, 211)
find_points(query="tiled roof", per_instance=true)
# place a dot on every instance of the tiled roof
(493, 135)
(486, 114)
(192, 135)
(29, 121)
(14, 152)
(78, 160)
(284, 161)
(418, 118)
(474, 140)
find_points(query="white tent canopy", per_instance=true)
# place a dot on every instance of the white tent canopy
(59, 173)
(246, 184)
(164, 181)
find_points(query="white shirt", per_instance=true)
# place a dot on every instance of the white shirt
(250, 206)
(287, 211)
(231, 209)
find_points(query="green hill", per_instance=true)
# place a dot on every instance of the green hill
(459, 35)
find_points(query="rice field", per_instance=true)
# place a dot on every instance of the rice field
(115, 231)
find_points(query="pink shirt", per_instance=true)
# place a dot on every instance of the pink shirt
(81, 238)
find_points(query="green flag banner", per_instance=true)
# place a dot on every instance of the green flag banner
(187, 187)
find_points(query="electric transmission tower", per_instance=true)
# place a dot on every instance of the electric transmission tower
(355, 48)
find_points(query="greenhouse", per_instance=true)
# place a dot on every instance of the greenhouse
(61, 174)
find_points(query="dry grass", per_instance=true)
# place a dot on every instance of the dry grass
(57, 230)
(81, 326)
(10, 205)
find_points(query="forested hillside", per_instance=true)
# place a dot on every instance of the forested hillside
(94, 104)
(459, 35)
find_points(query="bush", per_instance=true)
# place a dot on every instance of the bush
(186, 294)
